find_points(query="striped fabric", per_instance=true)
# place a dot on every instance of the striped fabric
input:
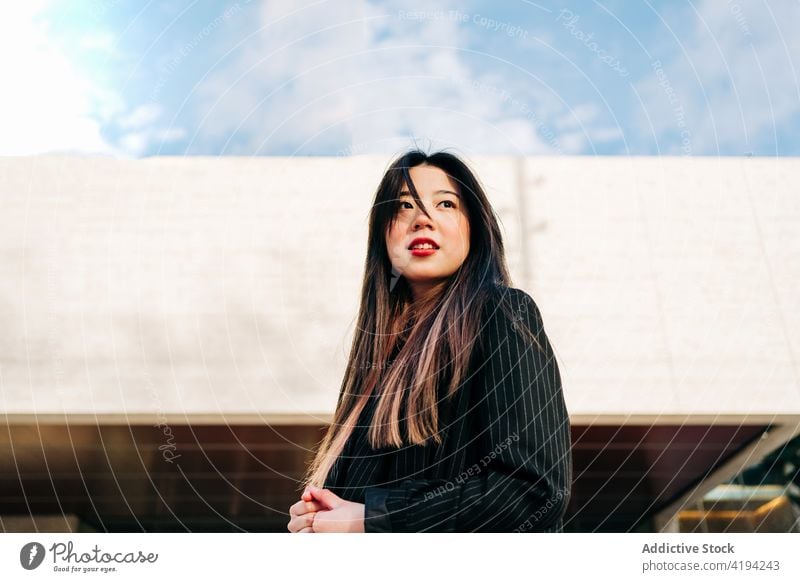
(505, 463)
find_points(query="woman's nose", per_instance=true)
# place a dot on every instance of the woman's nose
(420, 220)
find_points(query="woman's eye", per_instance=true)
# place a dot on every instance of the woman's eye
(403, 204)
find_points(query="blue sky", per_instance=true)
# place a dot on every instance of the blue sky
(136, 79)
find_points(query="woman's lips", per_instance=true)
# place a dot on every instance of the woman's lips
(423, 252)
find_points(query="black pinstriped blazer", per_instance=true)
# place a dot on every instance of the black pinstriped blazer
(505, 463)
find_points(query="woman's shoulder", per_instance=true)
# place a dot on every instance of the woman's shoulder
(511, 303)
(509, 311)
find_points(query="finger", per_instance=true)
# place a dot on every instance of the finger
(307, 530)
(328, 498)
(318, 525)
(300, 508)
(298, 523)
(303, 507)
(301, 521)
(314, 506)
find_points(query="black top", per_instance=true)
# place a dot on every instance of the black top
(505, 461)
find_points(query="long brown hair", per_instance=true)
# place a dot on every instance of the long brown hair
(432, 336)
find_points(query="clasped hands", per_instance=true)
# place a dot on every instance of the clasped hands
(322, 511)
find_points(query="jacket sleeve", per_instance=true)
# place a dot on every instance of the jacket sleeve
(522, 480)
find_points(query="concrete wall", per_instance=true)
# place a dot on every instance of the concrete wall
(226, 288)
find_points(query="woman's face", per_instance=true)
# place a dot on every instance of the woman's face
(448, 228)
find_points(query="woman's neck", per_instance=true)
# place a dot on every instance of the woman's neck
(422, 293)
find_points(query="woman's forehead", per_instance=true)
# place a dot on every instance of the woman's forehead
(430, 179)
(440, 192)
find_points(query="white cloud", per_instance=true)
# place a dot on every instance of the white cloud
(103, 42)
(52, 106)
(47, 104)
(737, 81)
(137, 143)
(602, 134)
(374, 83)
(577, 116)
(169, 134)
(142, 115)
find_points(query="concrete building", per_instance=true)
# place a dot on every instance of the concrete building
(173, 331)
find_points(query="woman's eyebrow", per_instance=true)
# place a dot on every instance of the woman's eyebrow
(456, 194)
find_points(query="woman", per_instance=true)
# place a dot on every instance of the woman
(451, 415)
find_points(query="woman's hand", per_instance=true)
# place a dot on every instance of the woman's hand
(302, 514)
(336, 514)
